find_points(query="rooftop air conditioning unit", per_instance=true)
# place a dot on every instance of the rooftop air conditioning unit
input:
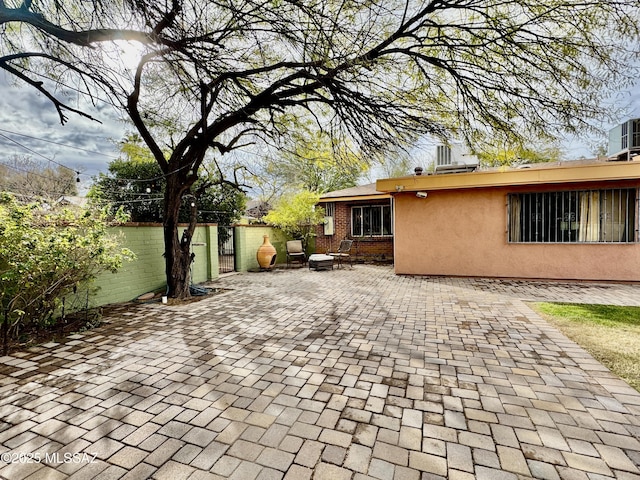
(624, 140)
(455, 158)
(443, 155)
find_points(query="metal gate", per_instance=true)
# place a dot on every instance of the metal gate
(226, 251)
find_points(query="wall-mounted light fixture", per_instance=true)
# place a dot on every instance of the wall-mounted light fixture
(421, 194)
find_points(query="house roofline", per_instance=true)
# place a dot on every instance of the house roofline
(565, 173)
(353, 198)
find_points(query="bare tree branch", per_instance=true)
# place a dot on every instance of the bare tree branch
(60, 106)
(82, 38)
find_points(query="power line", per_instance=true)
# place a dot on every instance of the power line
(58, 143)
(159, 177)
(39, 154)
(162, 176)
(39, 194)
(76, 171)
(127, 202)
(23, 170)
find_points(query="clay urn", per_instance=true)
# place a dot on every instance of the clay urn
(266, 254)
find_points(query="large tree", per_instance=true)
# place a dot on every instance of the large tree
(307, 160)
(380, 72)
(30, 180)
(518, 154)
(136, 184)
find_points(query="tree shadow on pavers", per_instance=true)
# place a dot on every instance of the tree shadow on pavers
(231, 343)
(145, 330)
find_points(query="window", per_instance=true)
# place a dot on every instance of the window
(371, 221)
(573, 216)
(635, 139)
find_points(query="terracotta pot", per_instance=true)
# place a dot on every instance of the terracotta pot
(266, 254)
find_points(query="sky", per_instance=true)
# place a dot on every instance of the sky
(29, 125)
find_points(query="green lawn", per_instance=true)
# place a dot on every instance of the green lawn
(610, 333)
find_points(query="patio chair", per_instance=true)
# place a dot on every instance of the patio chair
(295, 252)
(343, 253)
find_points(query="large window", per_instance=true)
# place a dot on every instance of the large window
(573, 216)
(371, 221)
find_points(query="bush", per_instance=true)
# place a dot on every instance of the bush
(297, 216)
(48, 253)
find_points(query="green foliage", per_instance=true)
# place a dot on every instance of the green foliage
(47, 254)
(297, 216)
(311, 160)
(518, 154)
(136, 184)
(219, 203)
(398, 166)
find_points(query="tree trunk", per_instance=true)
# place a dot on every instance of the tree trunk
(177, 250)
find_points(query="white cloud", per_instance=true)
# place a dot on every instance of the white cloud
(30, 120)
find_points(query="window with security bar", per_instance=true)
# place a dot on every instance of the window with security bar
(578, 216)
(371, 221)
(330, 209)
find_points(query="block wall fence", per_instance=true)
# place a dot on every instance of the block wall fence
(247, 240)
(147, 272)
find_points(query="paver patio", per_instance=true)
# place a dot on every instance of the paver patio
(344, 374)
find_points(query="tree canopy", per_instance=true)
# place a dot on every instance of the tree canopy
(135, 184)
(378, 68)
(30, 180)
(308, 160)
(519, 154)
(214, 77)
(296, 215)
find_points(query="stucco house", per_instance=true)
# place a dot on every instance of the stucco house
(572, 220)
(362, 214)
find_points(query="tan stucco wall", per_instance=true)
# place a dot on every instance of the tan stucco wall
(464, 233)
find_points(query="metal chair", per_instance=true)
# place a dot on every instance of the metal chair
(295, 252)
(343, 253)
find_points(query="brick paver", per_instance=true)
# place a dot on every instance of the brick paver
(344, 374)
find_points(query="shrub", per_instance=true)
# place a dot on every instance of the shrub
(297, 215)
(45, 254)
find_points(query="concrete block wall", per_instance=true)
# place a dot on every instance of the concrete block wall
(205, 247)
(147, 272)
(248, 239)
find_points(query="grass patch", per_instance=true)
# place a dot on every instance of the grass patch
(611, 334)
